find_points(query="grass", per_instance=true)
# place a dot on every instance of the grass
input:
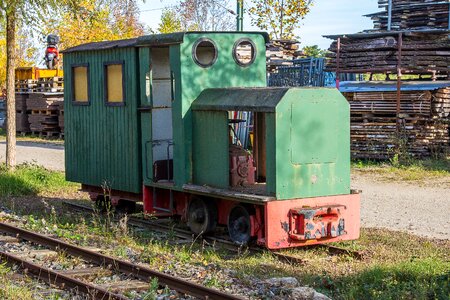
(411, 170)
(30, 179)
(13, 287)
(396, 265)
(31, 138)
(10, 289)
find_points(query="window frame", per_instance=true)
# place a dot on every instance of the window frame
(105, 83)
(236, 44)
(80, 103)
(194, 52)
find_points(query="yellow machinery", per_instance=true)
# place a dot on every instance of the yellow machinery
(36, 73)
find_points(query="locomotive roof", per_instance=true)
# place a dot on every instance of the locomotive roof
(225, 99)
(152, 40)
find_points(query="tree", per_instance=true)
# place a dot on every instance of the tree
(314, 51)
(16, 12)
(203, 15)
(279, 17)
(93, 21)
(170, 22)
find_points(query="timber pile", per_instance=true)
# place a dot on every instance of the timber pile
(22, 122)
(61, 117)
(424, 118)
(44, 112)
(422, 52)
(281, 53)
(41, 85)
(412, 14)
(425, 47)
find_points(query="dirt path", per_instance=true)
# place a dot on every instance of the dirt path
(419, 208)
(49, 155)
(422, 209)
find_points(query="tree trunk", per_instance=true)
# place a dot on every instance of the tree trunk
(10, 89)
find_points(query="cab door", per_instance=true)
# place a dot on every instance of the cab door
(156, 115)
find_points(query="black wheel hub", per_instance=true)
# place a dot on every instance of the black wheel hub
(239, 225)
(202, 216)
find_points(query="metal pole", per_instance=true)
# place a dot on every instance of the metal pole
(338, 63)
(240, 15)
(389, 15)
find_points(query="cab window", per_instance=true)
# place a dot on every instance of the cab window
(80, 86)
(114, 88)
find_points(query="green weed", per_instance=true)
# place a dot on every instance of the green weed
(409, 170)
(417, 279)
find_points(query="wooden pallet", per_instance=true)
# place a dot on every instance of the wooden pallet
(46, 112)
(46, 134)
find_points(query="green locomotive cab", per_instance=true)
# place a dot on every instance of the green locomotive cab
(185, 123)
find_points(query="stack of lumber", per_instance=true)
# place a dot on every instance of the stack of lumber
(281, 53)
(41, 85)
(425, 35)
(424, 126)
(22, 122)
(44, 112)
(50, 85)
(441, 103)
(425, 52)
(61, 117)
(25, 86)
(412, 14)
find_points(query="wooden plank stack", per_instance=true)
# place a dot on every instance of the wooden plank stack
(61, 117)
(425, 41)
(412, 14)
(44, 112)
(22, 122)
(424, 127)
(281, 53)
(25, 86)
(41, 85)
(421, 53)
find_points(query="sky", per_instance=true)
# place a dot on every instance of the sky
(325, 17)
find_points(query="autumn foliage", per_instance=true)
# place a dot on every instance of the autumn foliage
(97, 20)
(279, 17)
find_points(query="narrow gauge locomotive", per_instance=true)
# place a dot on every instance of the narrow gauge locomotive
(155, 119)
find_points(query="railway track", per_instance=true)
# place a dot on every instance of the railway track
(224, 243)
(138, 276)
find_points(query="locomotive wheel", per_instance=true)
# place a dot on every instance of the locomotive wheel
(239, 225)
(126, 207)
(202, 216)
(103, 204)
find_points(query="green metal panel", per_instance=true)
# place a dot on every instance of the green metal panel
(243, 99)
(146, 116)
(271, 177)
(312, 144)
(210, 148)
(102, 142)
(193, 79)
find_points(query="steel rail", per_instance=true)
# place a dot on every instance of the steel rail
(138, 271)
(163, 228)
(62, 281)
(227, 244)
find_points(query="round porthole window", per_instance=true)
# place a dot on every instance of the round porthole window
(244, 52)
(204, 52)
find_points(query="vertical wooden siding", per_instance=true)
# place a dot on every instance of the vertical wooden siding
(102, 142)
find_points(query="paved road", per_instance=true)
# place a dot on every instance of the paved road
(421, 210)
(49, 155)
